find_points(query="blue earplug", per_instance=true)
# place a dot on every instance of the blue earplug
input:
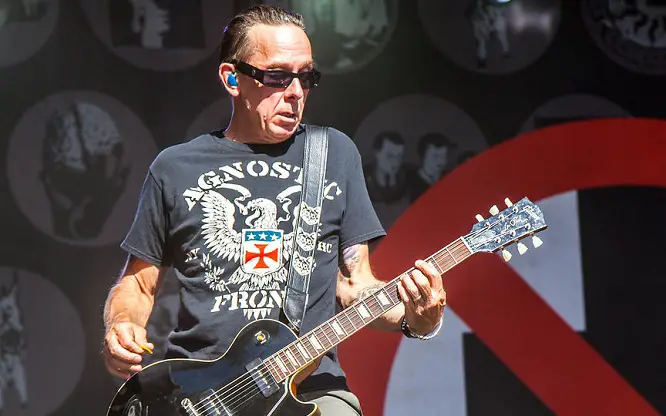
(231, 80)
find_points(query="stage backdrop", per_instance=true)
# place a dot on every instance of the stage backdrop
(454, 105)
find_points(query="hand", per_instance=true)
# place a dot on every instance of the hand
(122, 348)
(424, 297)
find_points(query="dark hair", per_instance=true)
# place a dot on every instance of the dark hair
(433, 139)
(391, 136)
(236, 43)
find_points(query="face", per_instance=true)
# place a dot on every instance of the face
(435, 160)
(389, 157)
(274, 113)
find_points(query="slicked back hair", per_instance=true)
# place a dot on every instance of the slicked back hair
(236, 43)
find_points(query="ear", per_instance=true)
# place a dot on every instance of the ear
(225, 69)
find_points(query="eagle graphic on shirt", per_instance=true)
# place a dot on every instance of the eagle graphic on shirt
(260, 249)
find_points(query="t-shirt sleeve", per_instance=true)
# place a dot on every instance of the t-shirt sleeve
(359, 222)
(147, 235)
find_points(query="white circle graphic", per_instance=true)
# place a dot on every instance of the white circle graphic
(571, 108)
(345, 35)
(410, 142)
(631, 33)
(76, 162)
(157, 34)
(25, 25)
(34, 315)
(491, 37)
(214, 117)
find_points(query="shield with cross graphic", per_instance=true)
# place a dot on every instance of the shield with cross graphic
(262, 251)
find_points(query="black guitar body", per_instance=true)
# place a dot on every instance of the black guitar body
(234, 384)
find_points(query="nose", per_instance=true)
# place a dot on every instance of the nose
(295, 90)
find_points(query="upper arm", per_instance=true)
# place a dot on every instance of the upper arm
(355, 275)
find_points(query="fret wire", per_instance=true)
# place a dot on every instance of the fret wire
(304, 348)
(267, 364)
(359, 317)
(377, 308)
(280, 374)
(393, 292)
(337, 321)
(322, 329)
(296, 354)
(367, 308)
(319, 340)
(311, 350)
(346, 314)
(378, 302)
(282, 356)
(337, 337)
(435, 264)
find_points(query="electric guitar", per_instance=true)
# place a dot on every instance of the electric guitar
(259, 372)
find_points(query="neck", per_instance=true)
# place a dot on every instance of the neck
(310, 346)
(241, 130)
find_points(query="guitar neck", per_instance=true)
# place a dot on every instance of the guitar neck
(310, 346)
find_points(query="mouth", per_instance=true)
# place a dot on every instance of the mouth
(288, 115)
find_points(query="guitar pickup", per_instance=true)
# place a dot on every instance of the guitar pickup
(262, 377)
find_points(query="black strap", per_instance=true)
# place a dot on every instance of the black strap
(307, 225)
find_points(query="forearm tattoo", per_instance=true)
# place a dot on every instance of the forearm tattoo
(365, 292)
(351, 257)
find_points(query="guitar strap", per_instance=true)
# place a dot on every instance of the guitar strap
(307, 225)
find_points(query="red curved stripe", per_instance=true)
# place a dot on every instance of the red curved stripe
(551, 359)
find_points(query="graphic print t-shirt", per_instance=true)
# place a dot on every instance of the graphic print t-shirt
(222, 213)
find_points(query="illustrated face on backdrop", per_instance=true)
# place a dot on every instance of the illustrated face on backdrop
(435, 160)
(151, 22)
(389, 157)
(85, 169)
(276, 111)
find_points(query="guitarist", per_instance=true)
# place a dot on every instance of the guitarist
(220, 210)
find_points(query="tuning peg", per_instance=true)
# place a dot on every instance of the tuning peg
(506, 255)
(536, 241)
(522, 248)
(479, 217)
(508, 202)
(494, 210)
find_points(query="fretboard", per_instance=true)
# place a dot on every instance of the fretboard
(315, 343)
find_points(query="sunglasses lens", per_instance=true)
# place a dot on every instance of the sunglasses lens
(277, 79)
(282, 79)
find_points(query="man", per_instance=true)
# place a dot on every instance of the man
(200, 196)
(434, 151)
(384, 176)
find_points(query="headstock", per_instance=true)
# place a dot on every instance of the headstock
(517, 221)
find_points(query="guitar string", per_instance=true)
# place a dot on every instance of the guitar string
(241, 391)
(455, 247)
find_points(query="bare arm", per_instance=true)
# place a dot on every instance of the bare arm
(126, 312)
(422, 293)
(356, 281)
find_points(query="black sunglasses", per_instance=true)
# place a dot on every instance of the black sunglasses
(278, 78)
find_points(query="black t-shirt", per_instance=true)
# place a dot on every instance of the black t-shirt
(221, 213)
